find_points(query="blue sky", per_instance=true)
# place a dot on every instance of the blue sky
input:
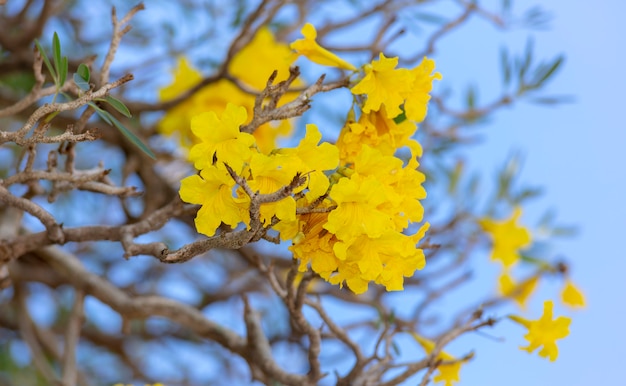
(576, 151)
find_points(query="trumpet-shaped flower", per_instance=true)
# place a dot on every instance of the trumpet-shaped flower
(508, 238)
(417, 98)
(377, 130)
(384, 85)
(314, 245)
(312, 159)
(213, 190)
(357, 214)
(572, 296)
(520, 292)
(447, 373)
(402, 186)
(386, 260)
(544, 332)
(268, 175)
(186, 77)
(316, 53)
(267, 54)
(220, 139)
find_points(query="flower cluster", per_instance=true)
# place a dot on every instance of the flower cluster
(348, 220)
(222, 147)
(508, 239)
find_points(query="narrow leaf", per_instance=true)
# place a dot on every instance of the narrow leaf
(505, 66)
(132, 137)
(118, 105)
(45, 59)
(56, 54)
(63, 71)
(506, 6)
(528, 56)
(551, 70)
(471, 97)
(430, 18)
(105, 115)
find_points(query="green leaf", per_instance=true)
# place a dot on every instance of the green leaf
(506, 6)
(565, 231)
(542, 77)
(83, 71)
(45, 59)
(430, 18)
(102, 113)
(552, 100)
(81, 82)
(471, 97)
(527, 194)
(63, 71)
(528, 57)
(118, 105)
(505, 66)
(56, 55)
(19, 82)
(400, 117)
(131, 137)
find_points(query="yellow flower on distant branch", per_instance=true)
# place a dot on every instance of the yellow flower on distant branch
(316, 53)
(544, 332)
(508, 238)
(572, 296)
(520, 292)
(266, 53)
(447, 373)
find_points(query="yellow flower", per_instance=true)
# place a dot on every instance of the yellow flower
(267, 55)
(220, 139)
(402, 186)
(384, 85)
(186, 77)
(448, 373)
(269, 174)
(316, 53)
(377, 130)
(520, 292)
(544, 331)
(417, 98)
(357, 214)
(386, 260)
(572, 296)
(213, 190)
(508, 238)
(314, 244)
(312, 159)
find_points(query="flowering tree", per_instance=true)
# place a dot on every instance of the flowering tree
(261, 215)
